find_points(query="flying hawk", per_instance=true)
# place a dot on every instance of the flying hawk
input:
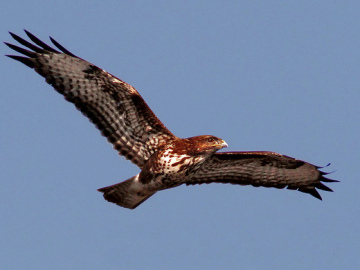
(165, 161)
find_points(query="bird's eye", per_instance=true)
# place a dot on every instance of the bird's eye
(210, 139)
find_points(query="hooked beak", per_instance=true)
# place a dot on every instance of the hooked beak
(223, 144)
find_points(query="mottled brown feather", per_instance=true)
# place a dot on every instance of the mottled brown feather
(114, 106)
(266, 169)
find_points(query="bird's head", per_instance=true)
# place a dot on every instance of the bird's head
(206, 144)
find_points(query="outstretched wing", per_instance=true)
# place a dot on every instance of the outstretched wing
(114, 106)
(265, 169)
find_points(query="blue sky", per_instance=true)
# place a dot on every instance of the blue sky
(262, 75)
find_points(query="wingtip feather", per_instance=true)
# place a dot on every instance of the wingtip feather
(323, 187)
(61, 48)
(327, 180)
(26, 43)
(26, 61)
(312, 192)
(40, 43)
(20, 50)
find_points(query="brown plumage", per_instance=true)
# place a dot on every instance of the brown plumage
(166, 161)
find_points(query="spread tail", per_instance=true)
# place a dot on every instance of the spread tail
(128, 194)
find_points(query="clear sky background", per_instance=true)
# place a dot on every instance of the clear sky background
(281, 76)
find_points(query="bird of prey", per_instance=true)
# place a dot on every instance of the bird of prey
(165, 161)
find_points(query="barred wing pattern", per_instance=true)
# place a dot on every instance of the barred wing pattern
(114, 106)
(266, 169)
(165, 160)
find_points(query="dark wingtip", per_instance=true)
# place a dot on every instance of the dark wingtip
(312, 192)
(20, 50)
(61, 48)
(24, 60)
(13, 35)
(40, 48)
(319, 185)
(327, 180)
(26, 43)
(322, 178)
(40, 43)
(323, 187)
(103, 190)
(318, 167)
(8, 44)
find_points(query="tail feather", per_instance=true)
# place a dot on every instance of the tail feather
(126, 194)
